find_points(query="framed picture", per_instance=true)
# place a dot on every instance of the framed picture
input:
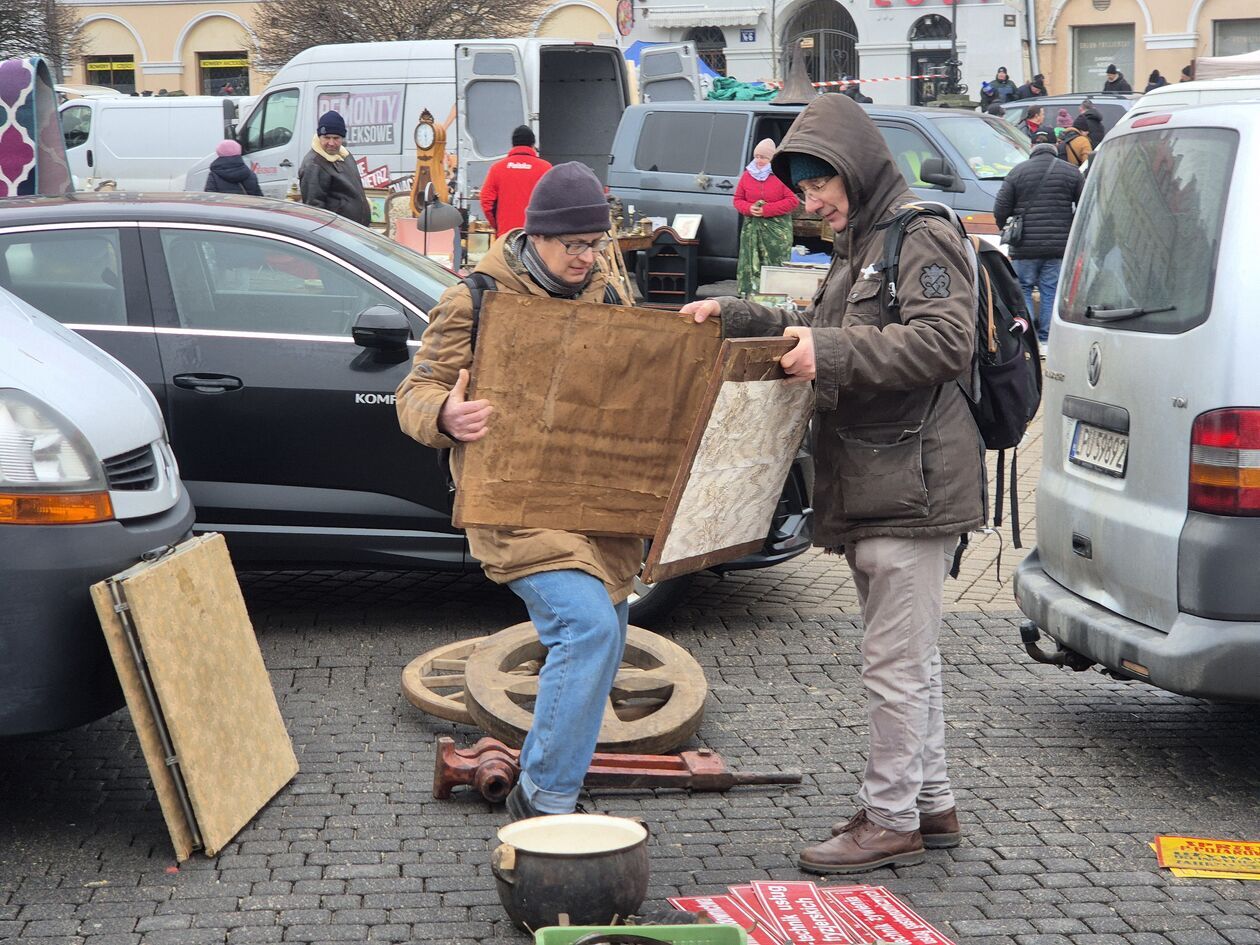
(687, 225)
(376, 197)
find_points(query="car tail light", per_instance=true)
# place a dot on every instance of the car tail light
(1148, 120)
(1225, 462)
(57, 508)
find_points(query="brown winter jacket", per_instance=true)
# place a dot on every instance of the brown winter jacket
(505, 554)
(897, 451)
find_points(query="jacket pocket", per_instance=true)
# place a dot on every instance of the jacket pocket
(880, 471)
(861, 306)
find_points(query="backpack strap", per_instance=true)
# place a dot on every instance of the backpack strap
(478, 284)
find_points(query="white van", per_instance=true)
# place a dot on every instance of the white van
(572, 94)
(1166, 98)
(1148, 507)
(144, 144)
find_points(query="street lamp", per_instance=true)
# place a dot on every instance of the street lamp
(953, 68)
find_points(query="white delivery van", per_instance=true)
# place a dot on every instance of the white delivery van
(572, 94)
(143, 144)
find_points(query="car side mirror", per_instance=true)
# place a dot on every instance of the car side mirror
(381, 327)
(939, 173)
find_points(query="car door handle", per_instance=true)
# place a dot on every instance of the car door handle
(208, 383)
(286, 163)
(726, 185)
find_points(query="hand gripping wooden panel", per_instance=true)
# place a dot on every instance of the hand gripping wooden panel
(207, 671)
(594, 405)
(748, 433)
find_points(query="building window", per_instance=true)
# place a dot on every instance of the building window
(932, 26)
(1235, 37)
(710, 44)
(115, 72)
(223, 73)
(1096, 47)
(825, 33)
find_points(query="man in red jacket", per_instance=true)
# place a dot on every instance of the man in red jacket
(510, 182)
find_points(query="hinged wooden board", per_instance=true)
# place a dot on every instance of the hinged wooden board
(731, 478)
(594, 405)
(213, 689)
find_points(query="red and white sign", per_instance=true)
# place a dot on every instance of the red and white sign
(879, 916)
(377, 177)
(747, 897)
(803, 914)
(727, 910)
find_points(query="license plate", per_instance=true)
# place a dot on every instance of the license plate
(1104, 450)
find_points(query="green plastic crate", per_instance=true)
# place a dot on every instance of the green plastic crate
(674, 934)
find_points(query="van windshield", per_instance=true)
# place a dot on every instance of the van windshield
(991, 148)
(1152, 242)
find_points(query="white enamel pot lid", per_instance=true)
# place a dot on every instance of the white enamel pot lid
(573, 834)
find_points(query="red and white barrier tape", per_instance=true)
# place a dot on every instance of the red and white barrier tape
(883, 78)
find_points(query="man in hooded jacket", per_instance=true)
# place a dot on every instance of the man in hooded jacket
(575, 587)
(899, 460)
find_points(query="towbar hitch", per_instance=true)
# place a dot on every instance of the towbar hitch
(1062, 656)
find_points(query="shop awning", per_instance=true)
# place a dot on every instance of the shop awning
(702, 15)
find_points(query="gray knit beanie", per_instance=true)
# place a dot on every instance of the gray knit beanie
(567, 199)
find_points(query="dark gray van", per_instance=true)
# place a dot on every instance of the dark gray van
(686, 157)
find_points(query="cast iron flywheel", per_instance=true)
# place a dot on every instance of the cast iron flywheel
(656, 704)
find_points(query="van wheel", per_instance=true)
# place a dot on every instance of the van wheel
(651, 603)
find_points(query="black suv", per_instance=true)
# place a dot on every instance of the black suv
(242, 316)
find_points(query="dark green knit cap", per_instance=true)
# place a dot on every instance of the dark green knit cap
(807, 167)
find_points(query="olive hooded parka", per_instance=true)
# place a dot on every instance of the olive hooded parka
(897, 451)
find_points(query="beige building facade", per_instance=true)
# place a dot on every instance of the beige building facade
(1078, 39)
(208, 48)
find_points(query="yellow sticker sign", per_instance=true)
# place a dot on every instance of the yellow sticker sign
(224, 63)
(1212, 874)
(110, 66)
(1199, 853)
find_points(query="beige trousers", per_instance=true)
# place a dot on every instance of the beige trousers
(900, 583)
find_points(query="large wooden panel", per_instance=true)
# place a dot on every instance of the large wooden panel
(213, 689)
(748, 433)
(594, 405)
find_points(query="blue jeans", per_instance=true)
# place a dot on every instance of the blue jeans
(585, 635)
(1044, 274)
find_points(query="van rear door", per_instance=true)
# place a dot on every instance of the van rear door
(669, 73)
(491, 100)
(1142, 343)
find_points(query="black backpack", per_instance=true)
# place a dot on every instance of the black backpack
(1005, 386)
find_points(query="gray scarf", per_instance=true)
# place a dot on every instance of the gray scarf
(539, 272)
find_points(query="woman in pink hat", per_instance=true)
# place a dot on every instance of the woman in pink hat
(229, 174)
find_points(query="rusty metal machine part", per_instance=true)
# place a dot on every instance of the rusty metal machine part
(656, 704)
(492, 768)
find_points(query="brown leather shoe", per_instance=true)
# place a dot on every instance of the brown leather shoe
(940, 831)
(863, 846)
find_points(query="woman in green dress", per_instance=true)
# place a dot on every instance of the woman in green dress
(766, 204)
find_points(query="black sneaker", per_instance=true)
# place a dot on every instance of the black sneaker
(519, 807)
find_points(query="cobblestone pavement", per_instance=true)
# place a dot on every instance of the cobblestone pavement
(1062, 780)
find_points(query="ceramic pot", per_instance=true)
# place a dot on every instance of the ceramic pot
(588, 867)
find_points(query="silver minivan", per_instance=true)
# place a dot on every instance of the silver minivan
(1148, 507)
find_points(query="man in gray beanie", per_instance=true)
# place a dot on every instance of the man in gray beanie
(574, 586)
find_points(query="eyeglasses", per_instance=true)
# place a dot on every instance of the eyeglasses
(578, 247)
(813, 190)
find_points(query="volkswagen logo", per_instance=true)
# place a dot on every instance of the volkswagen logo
(1094, 364)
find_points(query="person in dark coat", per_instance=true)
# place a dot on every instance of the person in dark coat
(229, 174)
(1033, 88)
(1032, 121)
(1094, 126)
(1154, 80)
(1003, 87)
(328, 176)
(1046, 190)
(1187, 73)
(1116, 82)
